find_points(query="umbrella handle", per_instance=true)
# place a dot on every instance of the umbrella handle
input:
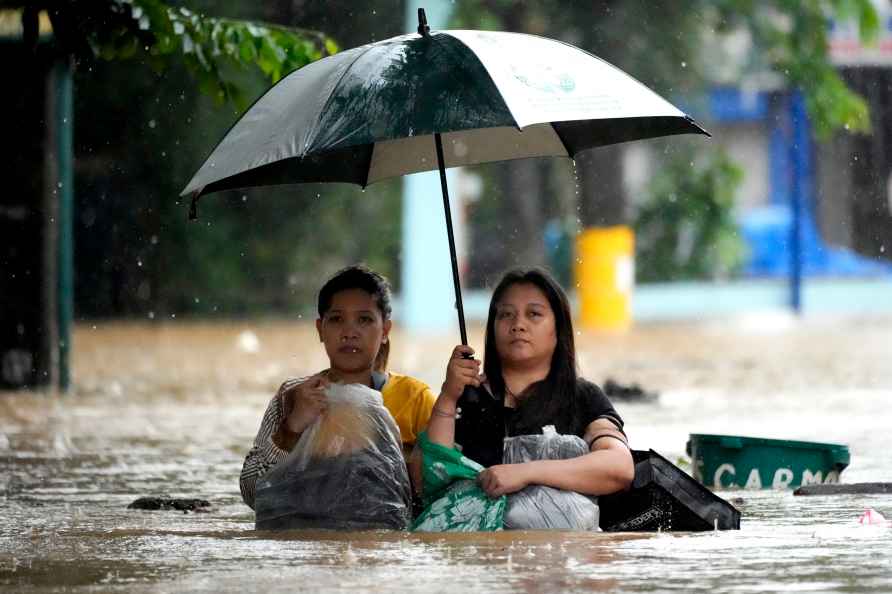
(455, 280)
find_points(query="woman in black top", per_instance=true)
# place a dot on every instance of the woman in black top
(530, 381)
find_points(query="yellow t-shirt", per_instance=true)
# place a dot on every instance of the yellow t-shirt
(410, 401)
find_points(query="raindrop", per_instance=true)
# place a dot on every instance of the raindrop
(883, 249)
(139, 263)
(151, 315)
(244, 198)
(197, 300)
(59, 184)
(684, 64)
(173, 316)
(248, 342)
(152, 124)
(154, 240)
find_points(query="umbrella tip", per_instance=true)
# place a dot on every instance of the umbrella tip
(423, 28)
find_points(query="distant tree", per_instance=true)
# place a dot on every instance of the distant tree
(141, 128)
(158, 34)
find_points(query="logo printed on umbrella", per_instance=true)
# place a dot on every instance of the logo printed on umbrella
(545, 78)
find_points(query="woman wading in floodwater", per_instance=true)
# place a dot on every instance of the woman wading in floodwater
(354, 326)
(530, 375)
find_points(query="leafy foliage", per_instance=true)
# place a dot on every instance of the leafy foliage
(686, 228)
(141, 133)
(664, 42)
(156, 33)
(791, 35)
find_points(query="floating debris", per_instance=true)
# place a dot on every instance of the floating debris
(843, 489)
(163, 503)
(872, 517)
(628, 392)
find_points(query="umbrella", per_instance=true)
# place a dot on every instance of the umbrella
(433, 100)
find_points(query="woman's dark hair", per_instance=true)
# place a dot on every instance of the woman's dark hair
(360, 276)
(554, 397)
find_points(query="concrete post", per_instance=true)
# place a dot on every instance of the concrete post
(428, 297)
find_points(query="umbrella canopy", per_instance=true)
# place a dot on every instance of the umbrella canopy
(369, 113)
(434, 100)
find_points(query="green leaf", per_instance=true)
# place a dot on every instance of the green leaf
(120, 29)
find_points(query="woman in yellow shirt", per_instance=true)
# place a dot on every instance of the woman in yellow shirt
(354, 326)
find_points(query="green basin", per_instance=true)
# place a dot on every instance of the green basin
(734, 461)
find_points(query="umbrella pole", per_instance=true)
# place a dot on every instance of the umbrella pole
(458, 302)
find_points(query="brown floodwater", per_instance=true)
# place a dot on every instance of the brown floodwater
(171, 408)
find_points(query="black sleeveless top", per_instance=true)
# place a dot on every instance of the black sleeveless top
(484, 421)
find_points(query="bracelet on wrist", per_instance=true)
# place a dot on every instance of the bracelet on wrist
(442, 413)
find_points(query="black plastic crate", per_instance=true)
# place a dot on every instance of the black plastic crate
(664, 497)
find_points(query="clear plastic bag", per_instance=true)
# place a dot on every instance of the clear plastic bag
(346, 472)
(547, 508)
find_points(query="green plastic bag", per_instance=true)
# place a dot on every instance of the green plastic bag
(453, 501)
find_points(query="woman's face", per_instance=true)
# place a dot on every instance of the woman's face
(352, 330)
(524, 327)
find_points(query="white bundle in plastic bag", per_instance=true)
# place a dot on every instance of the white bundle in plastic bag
(346, 471)
(547, 508)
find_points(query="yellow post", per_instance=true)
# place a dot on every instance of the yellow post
(605, 276)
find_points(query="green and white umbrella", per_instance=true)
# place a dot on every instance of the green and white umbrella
(434, 100)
